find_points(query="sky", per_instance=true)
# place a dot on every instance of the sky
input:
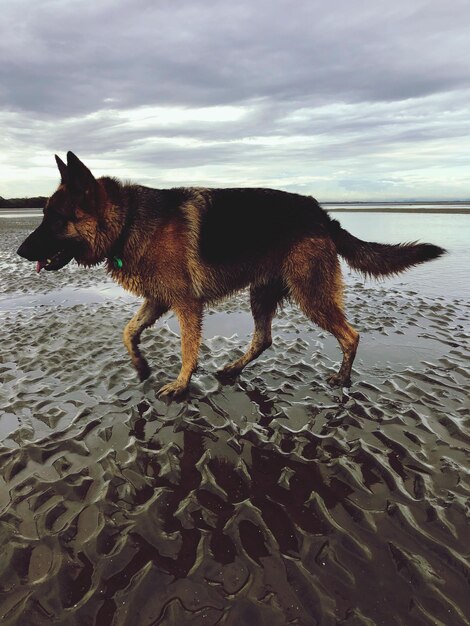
(343, 99)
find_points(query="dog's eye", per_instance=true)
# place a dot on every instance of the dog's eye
(56, 223)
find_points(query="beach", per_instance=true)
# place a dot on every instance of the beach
(274, 499)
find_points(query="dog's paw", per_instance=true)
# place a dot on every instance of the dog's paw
(173, 390)
(230, 371)
(336, 380)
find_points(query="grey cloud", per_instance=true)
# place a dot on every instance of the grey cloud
(341, 86)
(70, 57)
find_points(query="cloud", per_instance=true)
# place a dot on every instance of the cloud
(300, 95)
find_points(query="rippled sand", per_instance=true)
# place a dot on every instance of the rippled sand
(273, 500)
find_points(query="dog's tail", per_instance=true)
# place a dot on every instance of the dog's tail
(379, 259)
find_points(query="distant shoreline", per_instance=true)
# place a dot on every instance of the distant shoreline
(398, 209)
(398, 202)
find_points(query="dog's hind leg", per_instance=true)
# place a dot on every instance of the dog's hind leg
(264, 300)
(315, 283)
(148, 313)
(190, 319)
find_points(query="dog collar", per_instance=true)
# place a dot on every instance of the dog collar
(129, 216)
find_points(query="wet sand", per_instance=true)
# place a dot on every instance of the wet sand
(272, 500)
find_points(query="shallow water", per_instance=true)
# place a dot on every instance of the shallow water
(447, 276)
(272, 500)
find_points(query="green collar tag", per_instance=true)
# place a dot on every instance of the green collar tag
(117, 262)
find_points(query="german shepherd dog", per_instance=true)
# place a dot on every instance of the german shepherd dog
(183, 248)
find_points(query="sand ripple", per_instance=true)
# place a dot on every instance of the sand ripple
(272, 500)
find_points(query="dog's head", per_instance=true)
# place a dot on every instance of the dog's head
(69, 229)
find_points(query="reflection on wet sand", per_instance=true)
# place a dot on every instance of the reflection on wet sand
(270, 500)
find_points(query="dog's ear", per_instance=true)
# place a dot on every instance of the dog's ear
(62, 169)
(79, 177)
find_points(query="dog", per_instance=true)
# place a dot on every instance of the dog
(184, 248)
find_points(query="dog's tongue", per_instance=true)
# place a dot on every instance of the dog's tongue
(40, 265)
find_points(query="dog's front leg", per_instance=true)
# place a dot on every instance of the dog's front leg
(148, 313)
(190, 320)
